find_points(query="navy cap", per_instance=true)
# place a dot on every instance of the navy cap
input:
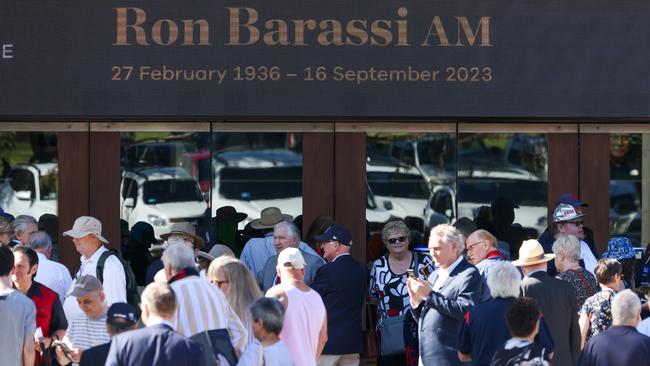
(336, 233)
(121, 310)
(571, 199)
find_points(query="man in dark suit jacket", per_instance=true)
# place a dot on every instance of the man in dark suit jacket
(341, 283)
(157, 344)
(440, 303)
(556, 299)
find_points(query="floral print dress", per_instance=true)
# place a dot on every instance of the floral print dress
(389, 290)
(598, 309)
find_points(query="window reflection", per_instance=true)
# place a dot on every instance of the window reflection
(29, 173)
(625, 186)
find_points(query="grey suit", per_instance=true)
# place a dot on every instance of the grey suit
(440, 315)
(266, 277)
(557, 301)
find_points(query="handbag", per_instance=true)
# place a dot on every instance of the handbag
(370, 337)
(391, 332)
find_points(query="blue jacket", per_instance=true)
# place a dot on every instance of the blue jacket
(342, 285)
(440, 316)
(157, 345)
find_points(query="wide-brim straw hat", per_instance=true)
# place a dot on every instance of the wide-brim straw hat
(530, 253)
(185, 228)
(269, 217)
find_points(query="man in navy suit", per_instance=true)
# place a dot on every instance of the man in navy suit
(341, 283)
(157, 344)
(440, 303)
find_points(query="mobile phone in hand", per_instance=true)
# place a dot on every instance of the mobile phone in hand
(411, 273)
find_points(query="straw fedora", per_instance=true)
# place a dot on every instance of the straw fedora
(185, 228)
(269, 217)
(530, 253)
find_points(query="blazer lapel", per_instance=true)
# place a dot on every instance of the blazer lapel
(459, 267)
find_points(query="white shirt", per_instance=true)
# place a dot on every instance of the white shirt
(53, 275)
(644, 327)
(587, 257)
(114, 281)
(443, 273)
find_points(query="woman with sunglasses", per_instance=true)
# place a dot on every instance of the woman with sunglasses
(388, 287)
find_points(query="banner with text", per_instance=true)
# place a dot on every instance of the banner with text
(203, 59)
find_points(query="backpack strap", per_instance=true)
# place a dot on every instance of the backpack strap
(100, 265)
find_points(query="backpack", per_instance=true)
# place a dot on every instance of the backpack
(132, 292)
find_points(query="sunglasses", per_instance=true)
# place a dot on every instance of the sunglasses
(395, 240)
(576, 223)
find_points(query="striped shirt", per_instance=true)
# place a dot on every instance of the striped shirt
(201, 307)
(84, 332)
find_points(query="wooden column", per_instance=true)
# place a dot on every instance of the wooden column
(73, 200)
(317, 176)
(104, 194)
(563, 167)
(594, 185)
(350, 188)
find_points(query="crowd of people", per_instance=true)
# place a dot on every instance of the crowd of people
(481, 294)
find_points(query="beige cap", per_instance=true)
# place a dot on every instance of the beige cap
(269, 217)
(86, 225)
(532, 252)
(185, 228)
(291, 258)
(85, 285)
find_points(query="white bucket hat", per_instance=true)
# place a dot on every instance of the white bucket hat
(86, 225)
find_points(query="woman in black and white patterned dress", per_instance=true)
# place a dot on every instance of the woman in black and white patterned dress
(388, 286)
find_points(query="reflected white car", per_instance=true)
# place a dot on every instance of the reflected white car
(30, 189)
(161, 197)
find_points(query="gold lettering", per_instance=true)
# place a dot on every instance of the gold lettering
(336, 33)
(300, 30)
(439, 32)
(356, 32)
(121, 38)
(204, 32)
(276, 37)
(483, 27)
(402, 30)
(172, 33)
(235, 25)
(384, 33)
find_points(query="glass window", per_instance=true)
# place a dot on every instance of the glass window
(253, 171)
(29, 181)
(411, 177)
(625, 169)
(503, 185)
(164, 178)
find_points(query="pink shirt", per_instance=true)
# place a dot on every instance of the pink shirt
(302, 324)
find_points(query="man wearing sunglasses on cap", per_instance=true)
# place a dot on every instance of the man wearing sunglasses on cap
(568, 221)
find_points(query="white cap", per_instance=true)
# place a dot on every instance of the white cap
(86, 225)
(565, 212)
(291, 258)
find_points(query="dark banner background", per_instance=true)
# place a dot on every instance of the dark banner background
(550, 59)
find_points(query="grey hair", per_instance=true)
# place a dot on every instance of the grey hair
(292, 229)
(503, 280)
(569, 245)
(178, 256)
(40, 240)
(449, 235)
(626, 308)
(397, 225)
(5, 225)
(271, 312)
(21, 222)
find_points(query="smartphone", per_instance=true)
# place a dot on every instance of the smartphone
(64, 347)
(411, 273)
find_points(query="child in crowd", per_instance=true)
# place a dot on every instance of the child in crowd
(268, 318)
(523, 321)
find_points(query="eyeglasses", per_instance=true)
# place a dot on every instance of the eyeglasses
(576, 223)
(470, 246)
(395, 240)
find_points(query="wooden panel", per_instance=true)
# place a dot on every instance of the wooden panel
(104, 194)
(615, 128)
(563, 165)
(350, 188)
(317, 176)
(272, 127)
(410, 127)
(44, 126)
(149, 126)
(594, 184)
(73, 190)
(518, 127)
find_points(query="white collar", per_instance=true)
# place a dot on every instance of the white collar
(340, 255)
(95, 256)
